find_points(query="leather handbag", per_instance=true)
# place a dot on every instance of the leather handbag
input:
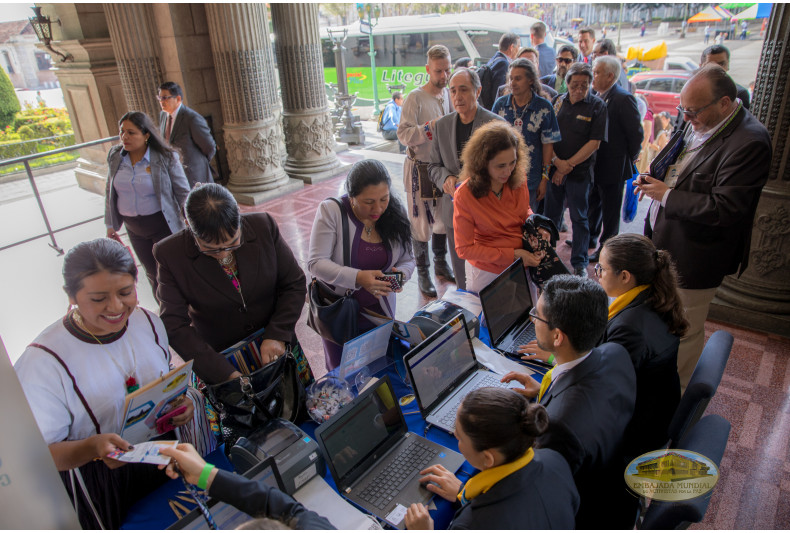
(248, 402)
(332, 316)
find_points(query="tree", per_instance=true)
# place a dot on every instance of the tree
(9, 104)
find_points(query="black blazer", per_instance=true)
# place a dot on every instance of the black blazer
(260, 500)
(589, 409)
(624, 142)
(541, 495)
(654, 354)
(202, 311)
(707, 222)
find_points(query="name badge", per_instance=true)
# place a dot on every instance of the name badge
(148, 169)
(672, 176)
(582, 117)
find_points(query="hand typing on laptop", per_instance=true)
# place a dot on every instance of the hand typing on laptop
(531, 387)
(532, 352)
(441, 481)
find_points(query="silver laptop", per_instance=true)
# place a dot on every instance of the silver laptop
(506, 303)
(443, 369)
(374, 459)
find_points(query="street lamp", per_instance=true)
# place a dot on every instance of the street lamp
(366, 26)
(43, 26)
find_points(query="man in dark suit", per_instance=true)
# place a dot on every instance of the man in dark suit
(614, 164)
(450, 134)
(188, 131)
(704, 203)
(508, 47)
(589, 395)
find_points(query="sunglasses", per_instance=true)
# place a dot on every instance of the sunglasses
(693, 114)
(565, 60)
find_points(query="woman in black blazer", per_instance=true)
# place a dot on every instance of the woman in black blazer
(518, 487)
(647, 319)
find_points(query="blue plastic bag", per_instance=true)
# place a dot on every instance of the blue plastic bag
(630, 203)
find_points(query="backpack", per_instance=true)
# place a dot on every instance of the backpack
(380, 121)
(489, 87)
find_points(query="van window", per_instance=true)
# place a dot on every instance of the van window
(411, 49)
(486, 42)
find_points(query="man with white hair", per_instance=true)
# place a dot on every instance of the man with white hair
(616, 156)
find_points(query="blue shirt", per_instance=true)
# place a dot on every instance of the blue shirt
(539, 127)
(390, 117)
(135, 187)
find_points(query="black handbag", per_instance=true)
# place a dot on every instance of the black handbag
(334, 317)
(248, 402)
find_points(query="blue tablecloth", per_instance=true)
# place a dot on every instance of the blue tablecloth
(153, 511)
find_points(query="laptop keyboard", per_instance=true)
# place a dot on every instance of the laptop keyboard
(397, 474)
(526, 336)
(448, 419)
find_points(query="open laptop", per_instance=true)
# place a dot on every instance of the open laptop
(225, 515)
(506, 303)
(374, 459)
(443, 369)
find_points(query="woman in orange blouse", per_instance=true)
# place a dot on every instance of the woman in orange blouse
(492, 204)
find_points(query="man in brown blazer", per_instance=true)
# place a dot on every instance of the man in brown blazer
(703, 208)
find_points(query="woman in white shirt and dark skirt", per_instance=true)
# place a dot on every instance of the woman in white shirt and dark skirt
(146, 189)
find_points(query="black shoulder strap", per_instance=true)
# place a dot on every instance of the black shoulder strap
(156, 335)
(73, 383)
(344, 220)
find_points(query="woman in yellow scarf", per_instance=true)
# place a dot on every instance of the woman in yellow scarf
(518, 487)
(646, 317)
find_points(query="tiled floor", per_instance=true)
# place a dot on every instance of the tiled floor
(754, 488)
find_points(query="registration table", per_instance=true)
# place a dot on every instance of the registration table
(154, 512)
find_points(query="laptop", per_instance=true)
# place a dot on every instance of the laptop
(225, 515)
(506, 303)
(373, 457)
(443, 369)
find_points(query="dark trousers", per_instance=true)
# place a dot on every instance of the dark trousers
(606, 202)
(577, 192)
(145, 231)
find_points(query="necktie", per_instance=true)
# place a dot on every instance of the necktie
(169, 128)
(545, 383)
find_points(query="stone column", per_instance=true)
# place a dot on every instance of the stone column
(309, 135)
(244, 64)
(760, 298)
(134, 42)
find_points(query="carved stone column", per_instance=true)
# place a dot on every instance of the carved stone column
(134, 41)
(244, 65)
(309, 136)
(760, 298)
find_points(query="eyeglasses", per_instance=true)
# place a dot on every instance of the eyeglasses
(533, 314)
(693, 114)
(579, 86)
(598, 269)
(163, 98)
(215, 251)
(565, 60)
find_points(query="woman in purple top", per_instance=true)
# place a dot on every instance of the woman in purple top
(379, 236)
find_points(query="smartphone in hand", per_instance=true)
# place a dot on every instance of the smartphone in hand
(395, 279)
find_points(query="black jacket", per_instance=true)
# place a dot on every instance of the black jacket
(624, 141)
(541, 495)
(260, 500)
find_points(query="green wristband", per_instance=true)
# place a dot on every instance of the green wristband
(203, 479)
(551, 359)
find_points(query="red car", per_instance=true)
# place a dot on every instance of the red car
(661, 88)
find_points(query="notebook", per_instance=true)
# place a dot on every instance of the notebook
(506, 303)
(374, 459)
(225, 515)
(443, 369)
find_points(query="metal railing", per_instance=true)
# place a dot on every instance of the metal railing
(25, 160)
(33, 146)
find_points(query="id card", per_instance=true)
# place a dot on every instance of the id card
(672, 176)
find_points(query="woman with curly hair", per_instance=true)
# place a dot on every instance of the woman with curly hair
(492, 204)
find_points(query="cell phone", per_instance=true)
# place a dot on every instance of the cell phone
(164, 423)
(395, 279)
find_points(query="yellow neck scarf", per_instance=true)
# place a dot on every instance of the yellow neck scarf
(486, 479)
(544, 383)
(622, 301)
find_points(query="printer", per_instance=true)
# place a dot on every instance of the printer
(437, 313)
(296, 455)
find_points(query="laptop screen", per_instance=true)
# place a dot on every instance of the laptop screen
(361, 428)
(439, 361)
(505, 300)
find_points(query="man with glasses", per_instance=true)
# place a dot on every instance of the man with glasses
(605, 47)
(187, 130)
(564, 59)
(704, 201)
(590, 396)
(583, 126)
